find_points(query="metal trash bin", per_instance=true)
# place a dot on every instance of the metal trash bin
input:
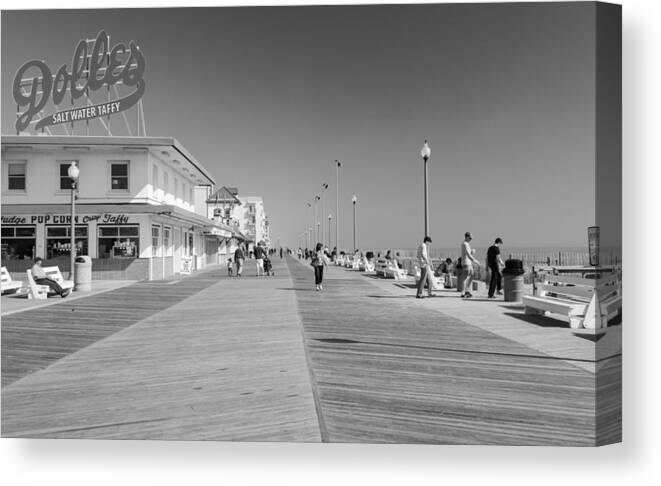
(513, 280)
(83, 274)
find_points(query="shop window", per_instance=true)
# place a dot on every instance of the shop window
(65, 181)
(167, 243)
(18, 242)
(58, 241)
(156, 241)
(119, 175)
(16, 175)
(119, 241)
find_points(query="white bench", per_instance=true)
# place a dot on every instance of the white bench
(380, 265)
(8, 284)
(393, 271)
(37, 291)
(587, 303)
(437, 282)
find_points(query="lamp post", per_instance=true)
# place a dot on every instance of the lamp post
(324, 186)
(426, 153)
(316, 220)
(330, 243)
(73, 172)
(337, 205)
(354, 200)
(307, 223)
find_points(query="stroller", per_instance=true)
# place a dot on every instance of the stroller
(268, 267)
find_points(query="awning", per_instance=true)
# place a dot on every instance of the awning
(216, 231)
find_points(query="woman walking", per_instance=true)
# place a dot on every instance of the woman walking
(319, 262)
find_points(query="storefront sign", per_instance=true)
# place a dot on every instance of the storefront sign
(106, 218)
(186, 265)
(105, 67)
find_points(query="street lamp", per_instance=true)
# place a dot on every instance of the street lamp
(354, 200)
(316, 220)
(307, 223)
(73, 172)
(324, 186)
(337, 205)
(426, 153)
(330, 243)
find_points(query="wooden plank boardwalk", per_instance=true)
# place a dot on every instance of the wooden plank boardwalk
(226, 363)
(387, 372)
(213, 358)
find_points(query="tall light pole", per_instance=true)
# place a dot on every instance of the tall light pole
(307, 223)
(73, 172)
(354, 200)
(316, 219)
(337, 205)
(330, 243)
(426, 153)
(324, 186)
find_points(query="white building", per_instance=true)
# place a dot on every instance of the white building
(136, 213)
(243, 213)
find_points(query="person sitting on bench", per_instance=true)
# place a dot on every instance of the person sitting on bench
(41, 278)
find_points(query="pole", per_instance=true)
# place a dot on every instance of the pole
(323, 211)
(337, 206)
(330, 243)
(354, 226)
(72, 240)
(426, 200)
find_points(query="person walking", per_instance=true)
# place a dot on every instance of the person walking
(319, 261)
(259, 259)
(467, 262)
(425, 268)
(495, 264)
(280, 253)
(41, 278)
(229, 267)
(239, 257)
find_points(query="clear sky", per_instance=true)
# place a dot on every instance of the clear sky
(268, 98)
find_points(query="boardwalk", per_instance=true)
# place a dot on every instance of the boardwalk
(271, 359)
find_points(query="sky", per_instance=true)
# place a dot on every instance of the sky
(267, 98)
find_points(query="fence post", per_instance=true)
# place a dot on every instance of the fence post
(534, 286)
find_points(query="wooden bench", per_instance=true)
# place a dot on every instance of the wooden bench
(393, 271)
(8, 284)
(587, 303)
(37, 291)
(380, 265)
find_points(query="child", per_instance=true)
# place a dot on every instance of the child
(230, 269)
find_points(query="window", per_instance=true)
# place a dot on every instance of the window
(58, 241)
(65, 182)
(156, 241)
(119, 175)
(154, 177)
(119, 241)
(166, 241)
(18, 242)
(16, 176)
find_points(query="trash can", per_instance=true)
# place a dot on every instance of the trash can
(83, 274)
(513, 280)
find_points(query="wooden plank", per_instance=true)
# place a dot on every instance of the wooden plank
(387, 372)
(588, 282)
(556, 306)
(577, 292)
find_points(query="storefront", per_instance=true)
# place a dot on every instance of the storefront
(133, 242)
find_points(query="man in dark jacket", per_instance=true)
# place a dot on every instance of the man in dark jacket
(495, 264)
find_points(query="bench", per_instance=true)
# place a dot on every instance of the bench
(8, 284)
(587, 303)
(393, 271)
(37, 291)
(380, 266)
(437, 282)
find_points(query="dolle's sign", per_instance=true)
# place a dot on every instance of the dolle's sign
(89, 72)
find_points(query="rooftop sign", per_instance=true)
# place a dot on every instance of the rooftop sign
(90, 71)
